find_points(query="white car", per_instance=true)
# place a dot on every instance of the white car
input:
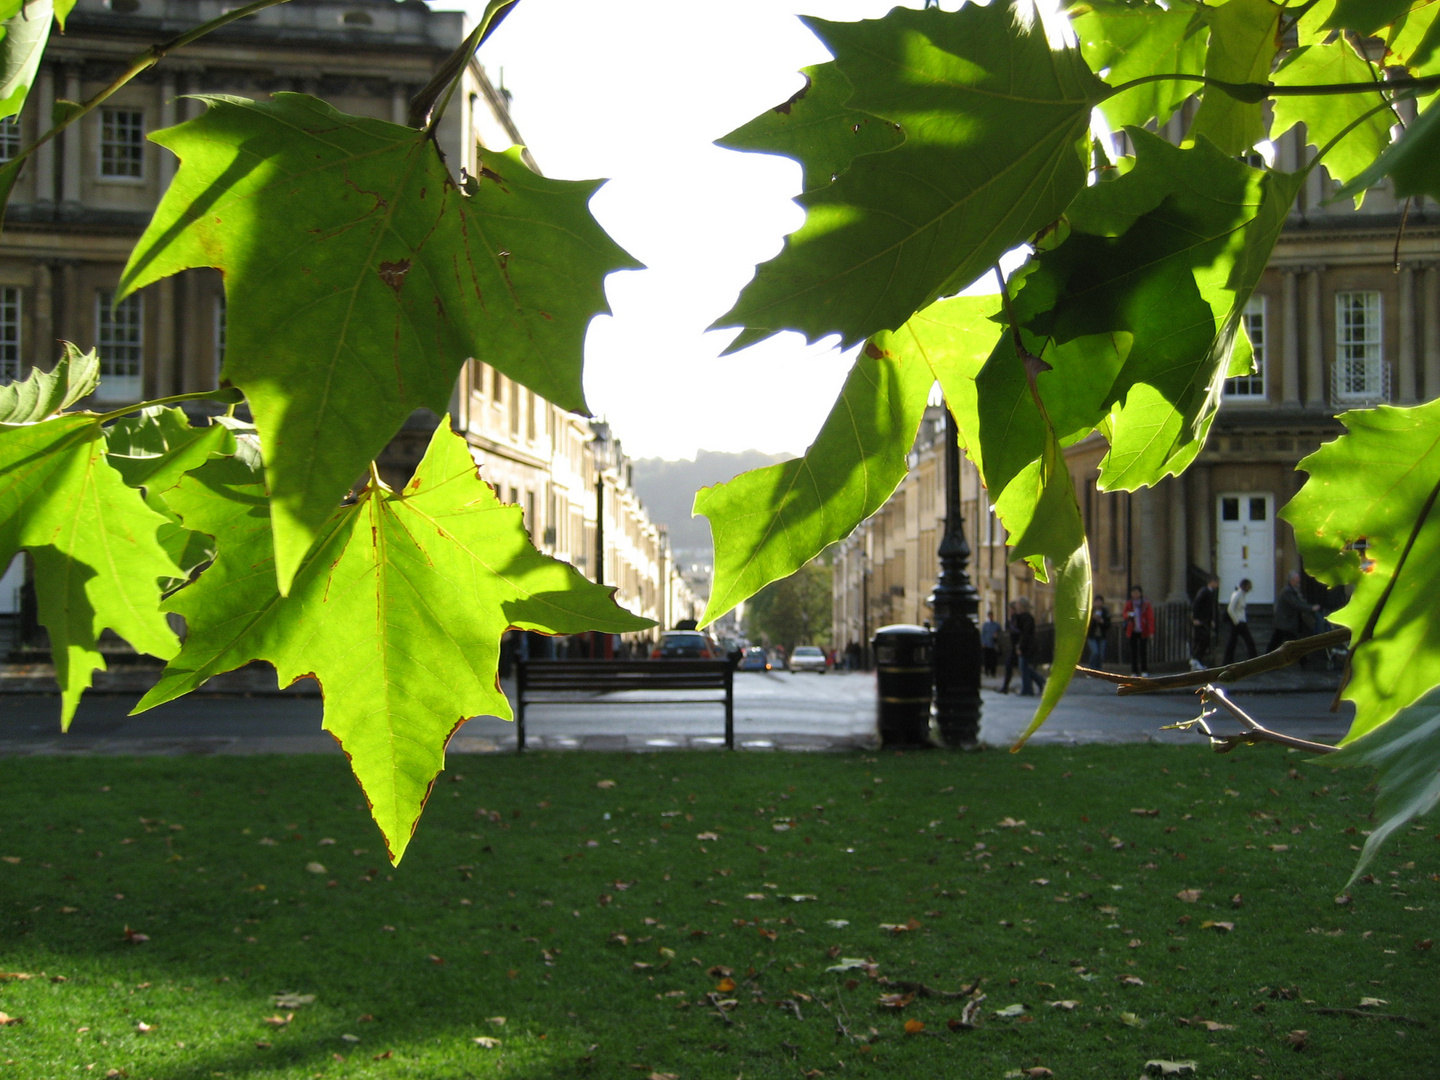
(807, 658)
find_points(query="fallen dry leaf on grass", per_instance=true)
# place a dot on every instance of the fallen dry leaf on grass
(6, 1019)
(279, 1021)
(315, 868)
(1011, 1011)
(1161, 1067)
(486, 1041)
(288, 1000)
(1221, 927)
(1189, 896)
(1372, 1003)
(605, 784)
(134, 937)
(1297, 1039)
(1068, 1006)
(498, 1021)
(1037, 1072)
(1208, 1025)
(18, 976)
(143, 1028)
(1140, 811)
(895, 1001)
(914, 1027)
(662, 1076)
(1129, 1019)
(725, 986)
(1008, 822)
(1131, 980)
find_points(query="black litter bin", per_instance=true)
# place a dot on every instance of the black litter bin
(904, 682)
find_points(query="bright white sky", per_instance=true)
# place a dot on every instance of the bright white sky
(637, 91)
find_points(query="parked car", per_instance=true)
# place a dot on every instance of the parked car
(755, 660)
(807, 658)
(685, 645)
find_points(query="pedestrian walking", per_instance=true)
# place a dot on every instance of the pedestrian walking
(1239, 626)
(1139, 618)
(1027, 649)
(1291, 614)
(1097, 635)
(990, 643)
(1012, 657)
(1205, 617)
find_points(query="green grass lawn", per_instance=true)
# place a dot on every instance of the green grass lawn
(583, 923)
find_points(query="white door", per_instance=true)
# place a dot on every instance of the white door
(1246, 543)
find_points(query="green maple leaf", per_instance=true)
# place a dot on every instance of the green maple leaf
(45, 393)
(155, 447)
(817, 128)
(1036, 504)
(359, 279)
(1365, 16)
(24, 33)
(1412, 161)
(92, 541)
(1128, 40)
(1138, 313)
(1326, 116)
(1244, 38)
(767, 523)
(1404, 754)
(995, 123)
(397, 611)
(1378, 484)
(1413, 39)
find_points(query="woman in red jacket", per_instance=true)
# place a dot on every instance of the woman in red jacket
(1139, 629)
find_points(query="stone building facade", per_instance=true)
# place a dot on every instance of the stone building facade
(84, 199)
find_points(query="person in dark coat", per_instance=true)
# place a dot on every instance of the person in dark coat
(1097, 635)
(990, 644)
(1292, 613)
(1012, 658)
(1205, 616)
(1027, 649)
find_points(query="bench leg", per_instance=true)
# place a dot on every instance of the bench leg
(729, 714)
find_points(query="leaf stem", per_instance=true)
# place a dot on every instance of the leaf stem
(444, 82)
(1253, 93)
(1254, 730)
(224, 394)
(139, 63)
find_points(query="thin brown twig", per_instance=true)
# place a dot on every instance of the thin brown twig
(1254, 730)
(1284, 656)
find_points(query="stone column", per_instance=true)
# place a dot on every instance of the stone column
(1149, 552)
(1289, 337)
(1177, 501)
(1406, 361)
(1202, 548)
(1315, 381)
(166, 166)
(72, 146)
(45, 156)
(1432, 330)
(165, 378)
(45, 349)
(70, 324)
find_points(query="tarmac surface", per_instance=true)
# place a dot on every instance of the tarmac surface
(773, 711)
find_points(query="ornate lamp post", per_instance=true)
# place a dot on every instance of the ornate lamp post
(956, 606)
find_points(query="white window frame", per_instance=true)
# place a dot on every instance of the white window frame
(10, 330)
(1255, 321)
(120, 343)
(9, 138)
(1359, 373)
(122, 134)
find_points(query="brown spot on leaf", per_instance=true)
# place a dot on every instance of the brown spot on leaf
(393, 274)
(874, 352)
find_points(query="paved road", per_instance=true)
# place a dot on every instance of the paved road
(772, 711)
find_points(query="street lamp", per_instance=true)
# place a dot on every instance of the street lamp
(956, 606)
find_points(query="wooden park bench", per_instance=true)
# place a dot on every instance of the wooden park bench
(556, 682)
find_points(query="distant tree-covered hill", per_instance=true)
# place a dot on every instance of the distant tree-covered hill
(668, 490)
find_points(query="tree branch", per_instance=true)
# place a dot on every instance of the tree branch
(1284, 656)
(1254, 731)
(1254, 93)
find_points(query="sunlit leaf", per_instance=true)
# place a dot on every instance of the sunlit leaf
(397, 611)
(767, 523)
(1244, 37)
(359, 278)
(1127, 40)
(1138, 314)
(24, 33)
(817, 128)
(994, 121)
(1366, 518)
(1365, 16)
(44, 393)
(1326, 116)
(1412, 162)
(154, 448)
(93, 544)
(1406, 755)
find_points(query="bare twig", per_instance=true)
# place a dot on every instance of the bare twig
(919, 989)
(1284, 656)
(714, 1000)
(1255, 732)
(971, 1011)
(793, 1006)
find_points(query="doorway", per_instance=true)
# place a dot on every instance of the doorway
(1245, 542)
